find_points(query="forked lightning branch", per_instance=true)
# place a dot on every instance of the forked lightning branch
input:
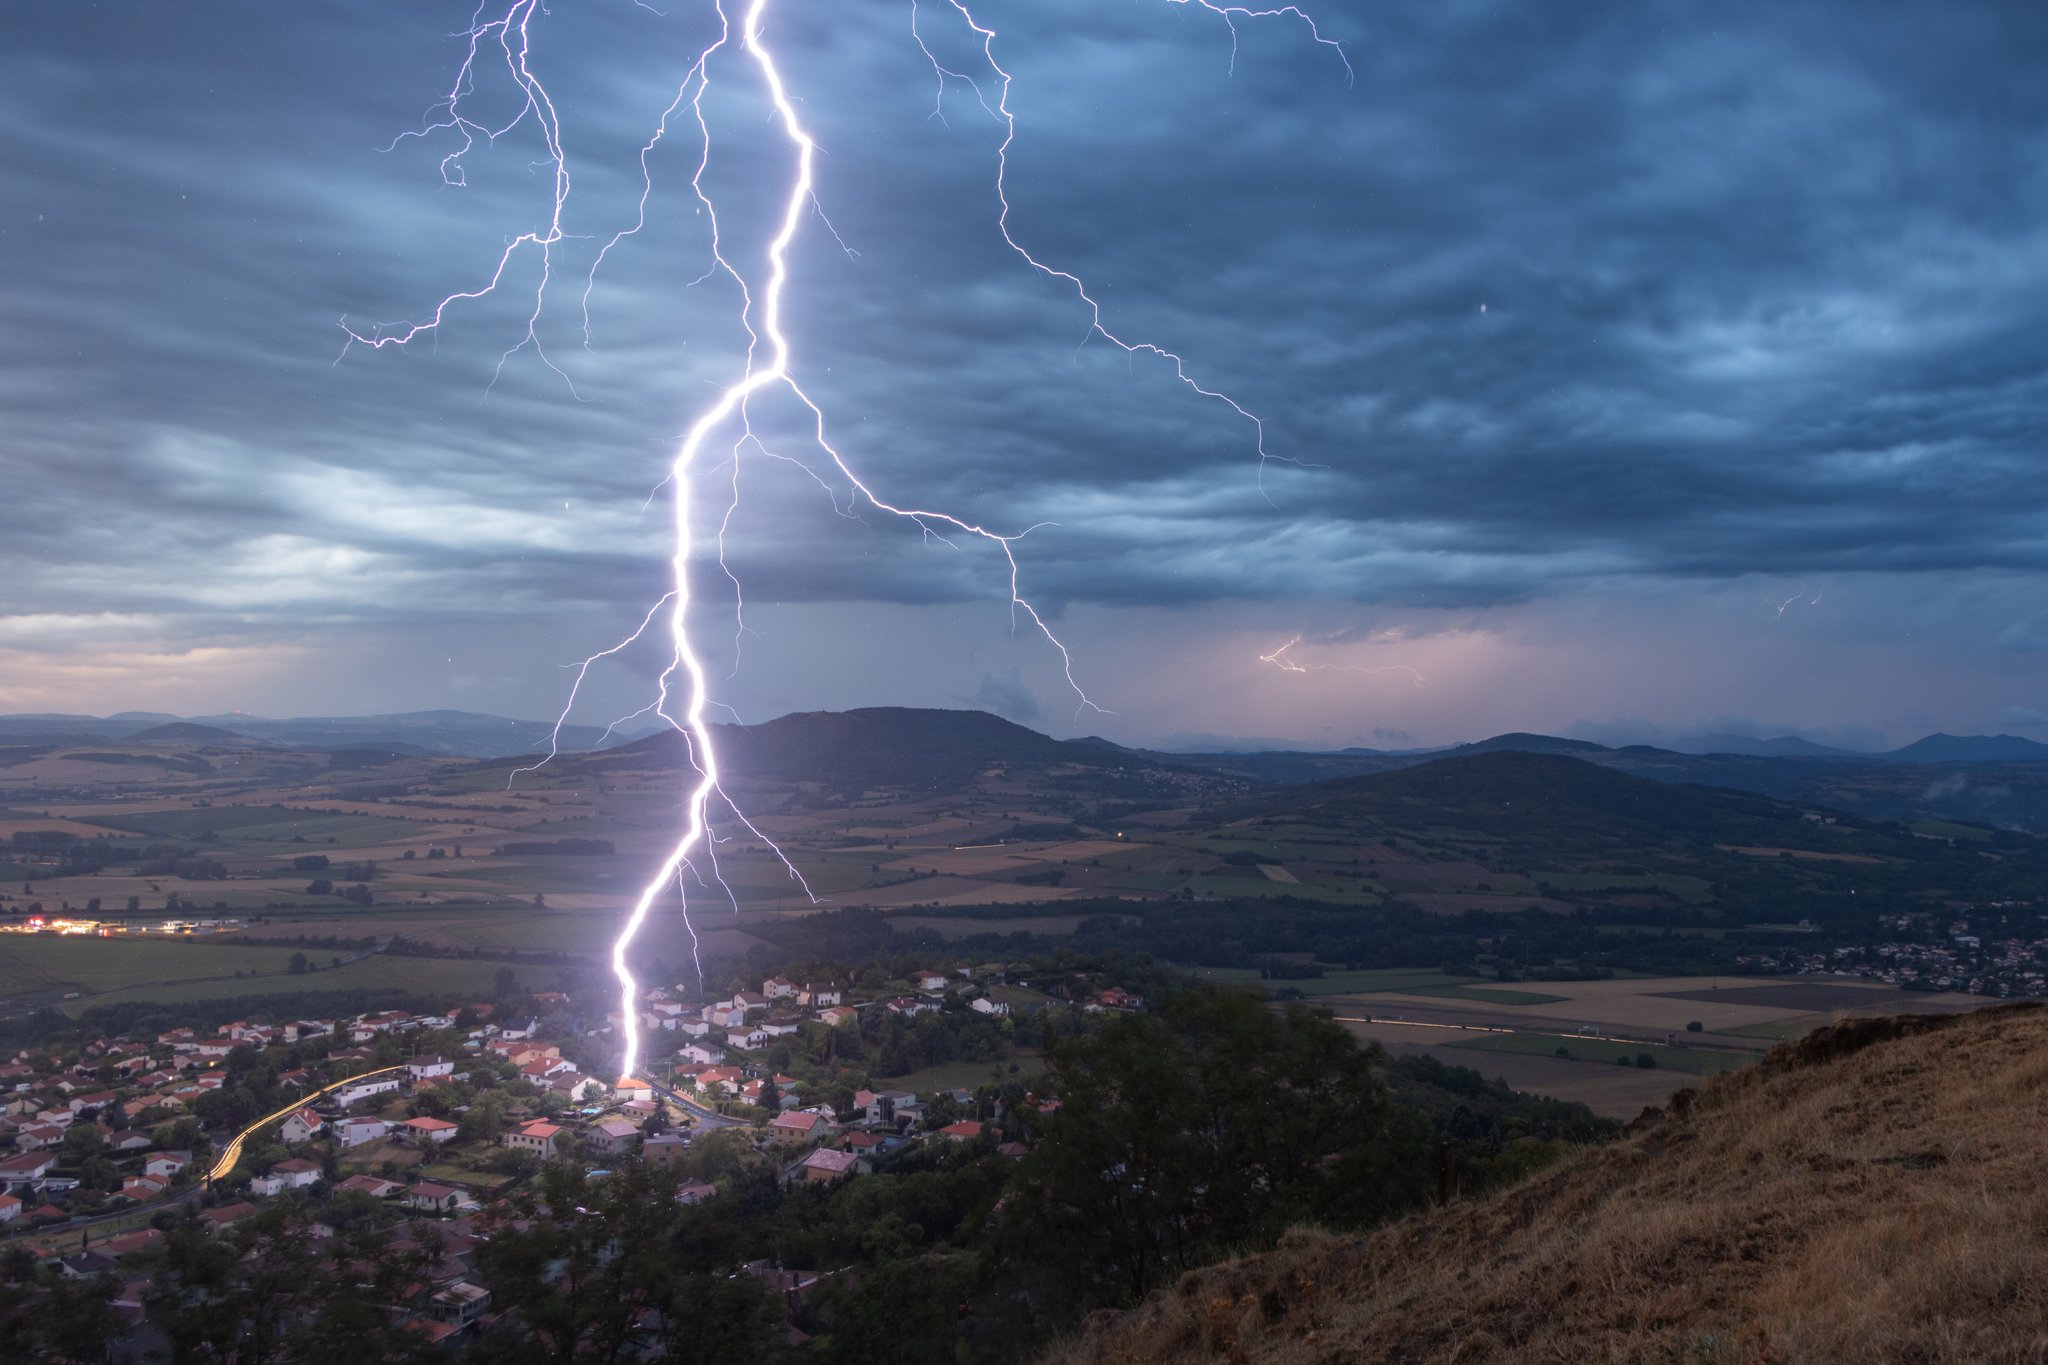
(504, 43)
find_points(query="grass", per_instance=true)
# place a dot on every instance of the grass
(1691, 1061)
(1490, 995)
(103, 964)
(434, 977)
(1882, 1205)
(1942, 829)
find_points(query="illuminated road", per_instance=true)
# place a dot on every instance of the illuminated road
(232, 1153)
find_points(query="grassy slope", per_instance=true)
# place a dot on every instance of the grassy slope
(1844, 1201)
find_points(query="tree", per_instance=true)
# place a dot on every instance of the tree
(298, 965)
(1212, 1125)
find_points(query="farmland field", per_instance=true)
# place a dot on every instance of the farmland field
(427, 976)
(1692, 1061)
(93, 965)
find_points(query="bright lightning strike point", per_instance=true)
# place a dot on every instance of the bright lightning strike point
(766, 364)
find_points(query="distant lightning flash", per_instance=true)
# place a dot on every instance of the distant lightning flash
(765, 365)
(1278, 658)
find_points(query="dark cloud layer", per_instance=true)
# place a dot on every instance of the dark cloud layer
(1546, 300)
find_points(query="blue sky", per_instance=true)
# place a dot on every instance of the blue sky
(1643, 368)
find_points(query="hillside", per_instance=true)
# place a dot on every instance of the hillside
(1870, 1193)
(877, 746)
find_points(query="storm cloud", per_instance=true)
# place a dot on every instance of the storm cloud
(1568, 329)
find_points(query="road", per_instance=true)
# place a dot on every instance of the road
(706, 1118)
(232, 1153)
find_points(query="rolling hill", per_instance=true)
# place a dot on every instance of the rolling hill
(1870, 1193)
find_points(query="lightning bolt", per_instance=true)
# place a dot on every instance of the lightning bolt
(683, 691)
(1278, 658)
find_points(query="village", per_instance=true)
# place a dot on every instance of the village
(1997, 950)
(435, 1118)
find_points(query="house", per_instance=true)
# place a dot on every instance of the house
(574, 1087)
(227, 1215)
(750, 1002)
(423, 1131)
(429, 1068)
(721, 1080)
(797, 1126)
(1115, 999)
(301, 1126)
(371, 1185)
(355, 1132)
(26, 1172)
(37, 1135)
(537, 1137)
(818, 996)
(286, 1175)
(84, 1265)
(778, 1028)
(432, 1198)
(747, 1040)
(967, 1130)
(460, 1304)
(779, 988)
(166, 1164)
(710, 1054)
(614, 1137)
(633, 1088)
(663, 1149)
(981, 1004)
(908, 1007)
(932, 983)
(891, 1106)
(837, 1015)
(143, 1188)
(365, 1088)
(823, 1166)
(696, 1192)
(128, 1140)
(10, 1208)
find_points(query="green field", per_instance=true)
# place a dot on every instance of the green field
(1691, 890)
(92, 965)
(243, 826)
(1942, 829)
(434, 977)
(1691, 1061)
(1490, 995)
(1335, 983)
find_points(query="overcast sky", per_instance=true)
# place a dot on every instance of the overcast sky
(1626, 369)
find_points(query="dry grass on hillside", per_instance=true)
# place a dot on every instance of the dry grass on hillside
(1877, 1191)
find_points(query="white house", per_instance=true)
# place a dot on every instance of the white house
(355, 1132)
(363, 1089)
(422, 1131)
(302, 1126)
(286, 1175)
(429, 1068)
(931, 982)
(981, 1004)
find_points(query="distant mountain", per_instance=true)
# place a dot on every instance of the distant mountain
(188, 733)
(465, 734)
(1784, 746)
(1971, 749)
(1530, 744)
(881, 746)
